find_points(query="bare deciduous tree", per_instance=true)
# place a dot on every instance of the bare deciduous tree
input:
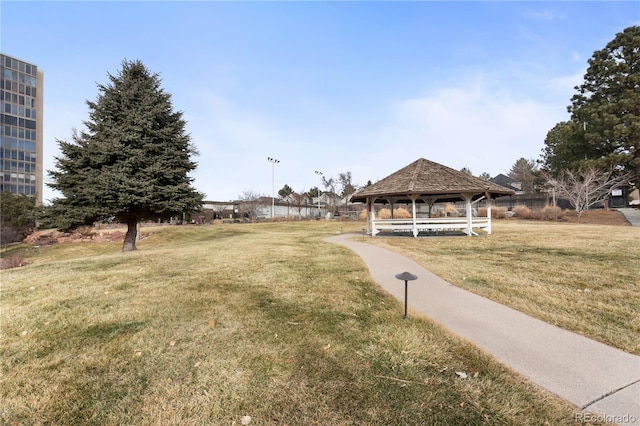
(586, 187)
(348, 189)
(250, 202)
(299, 201)
(330, 193)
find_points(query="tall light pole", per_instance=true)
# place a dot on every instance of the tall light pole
(319, 180)
(273, 162)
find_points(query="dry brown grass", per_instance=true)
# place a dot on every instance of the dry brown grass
(580, 277)
(205, 325)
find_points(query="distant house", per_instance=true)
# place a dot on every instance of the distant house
(260, 208)
(507, 182)
(533, 200)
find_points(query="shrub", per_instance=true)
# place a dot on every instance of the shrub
(551, 213)
(547, 213)
(13, 261)
(85, 231)
(499, 212)
(450, 210)
(399, 213)
(496, 212)
(402, 213)
(18, 216)
(522, 212)
(384, 214)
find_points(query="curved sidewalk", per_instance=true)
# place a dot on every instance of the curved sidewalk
(595, 377)
(631, 215)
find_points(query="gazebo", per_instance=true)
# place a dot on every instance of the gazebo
(426, 182)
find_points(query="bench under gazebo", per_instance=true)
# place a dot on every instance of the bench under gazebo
(426, 182)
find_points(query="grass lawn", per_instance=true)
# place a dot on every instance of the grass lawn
(584, 278)
(205, 325)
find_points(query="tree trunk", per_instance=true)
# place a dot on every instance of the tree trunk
(636, 158)
(130, 238)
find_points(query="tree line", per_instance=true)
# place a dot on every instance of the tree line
(335, 189)
(132, 161)
(596, 150)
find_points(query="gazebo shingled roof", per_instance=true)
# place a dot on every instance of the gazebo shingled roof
(424, 178)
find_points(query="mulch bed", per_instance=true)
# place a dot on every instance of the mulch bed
(597, 217)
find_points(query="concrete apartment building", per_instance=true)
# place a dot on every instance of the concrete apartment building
(21, 139)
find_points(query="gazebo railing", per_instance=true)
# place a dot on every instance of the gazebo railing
(432, 224)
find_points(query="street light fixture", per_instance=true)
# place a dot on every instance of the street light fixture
(320, 174)
(273, 162)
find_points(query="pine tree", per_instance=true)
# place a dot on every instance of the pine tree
(285, 192)
(524, 171)
(132, 162)
(606, 108)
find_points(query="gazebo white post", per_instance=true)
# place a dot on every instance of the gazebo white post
(368, 207)
(467, 198)
(488, 197)
(374, 231)
(413, 214)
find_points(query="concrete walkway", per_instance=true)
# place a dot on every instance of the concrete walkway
(632, 215)
(595, 377)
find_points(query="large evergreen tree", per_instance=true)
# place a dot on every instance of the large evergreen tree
(566, 148)
(132, 162)
(605, 112)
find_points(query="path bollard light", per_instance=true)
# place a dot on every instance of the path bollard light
(406, 276)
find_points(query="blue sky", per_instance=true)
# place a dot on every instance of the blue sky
(365, 87)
